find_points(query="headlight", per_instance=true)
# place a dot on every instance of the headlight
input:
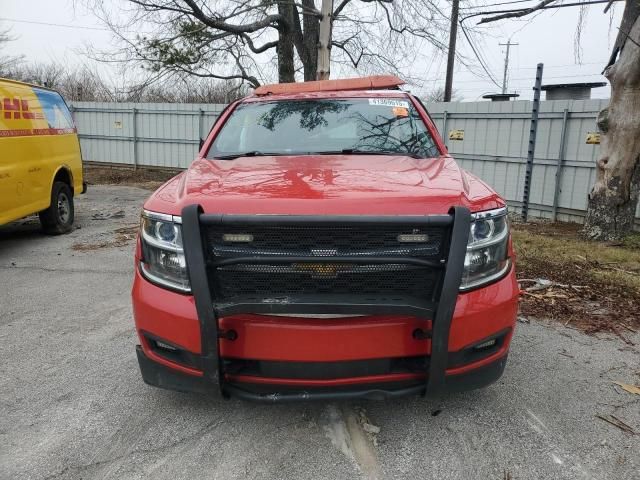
(487, 258)
(163, 260)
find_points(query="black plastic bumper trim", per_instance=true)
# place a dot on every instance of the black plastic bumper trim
(158, 375)
(365, 394)
(469, 354)
(325, 370)
(179, 355)
(477, 378)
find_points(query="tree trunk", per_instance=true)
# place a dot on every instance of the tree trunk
(614, 197)
(286, 67)
(310, 24)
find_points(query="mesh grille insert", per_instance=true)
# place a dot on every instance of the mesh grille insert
(312, 279)
(319, 275)
(325, 241)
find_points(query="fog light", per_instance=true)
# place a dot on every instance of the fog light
(165, 346)
(487, 344)
(237, 237)
(413, 237)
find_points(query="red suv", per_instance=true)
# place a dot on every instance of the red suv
(324, 245)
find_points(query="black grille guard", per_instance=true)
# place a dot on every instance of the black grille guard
(439, 308)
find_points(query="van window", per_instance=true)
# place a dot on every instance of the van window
(54, 109)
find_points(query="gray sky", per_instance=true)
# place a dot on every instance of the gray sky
(547, 38)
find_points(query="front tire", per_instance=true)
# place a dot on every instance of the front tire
(58, 218)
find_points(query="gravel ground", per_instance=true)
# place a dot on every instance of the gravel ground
(74, 405)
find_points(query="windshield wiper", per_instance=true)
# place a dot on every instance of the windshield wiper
(344, 151)
(253, 153)
(359, 151)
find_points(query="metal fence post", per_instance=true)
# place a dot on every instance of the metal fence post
(559, 165)
(200, 124)
(532, 142)
(135, 138)
(445, 116)
(200, 129)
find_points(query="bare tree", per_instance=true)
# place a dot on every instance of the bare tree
(247, 40)
(188, 90)
(614, 197)
(85, 84)
(45, 74)
(437, 95)
(80, 83)
(7, 61)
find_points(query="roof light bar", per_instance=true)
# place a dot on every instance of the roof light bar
(376, 82)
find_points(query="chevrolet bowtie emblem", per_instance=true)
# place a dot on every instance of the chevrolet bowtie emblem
(320, 270)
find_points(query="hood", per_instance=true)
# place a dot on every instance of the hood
(325, 185)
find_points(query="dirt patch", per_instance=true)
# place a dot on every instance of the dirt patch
(591, 286)
(146, 178)
(123, 236)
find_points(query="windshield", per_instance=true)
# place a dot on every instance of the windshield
(299, 127)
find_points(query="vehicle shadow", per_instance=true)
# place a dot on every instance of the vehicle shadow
(23, 229)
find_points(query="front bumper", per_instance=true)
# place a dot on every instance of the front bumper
(171, 316)
(161, 376)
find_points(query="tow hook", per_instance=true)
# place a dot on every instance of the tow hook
(420, 334)
(228, 334)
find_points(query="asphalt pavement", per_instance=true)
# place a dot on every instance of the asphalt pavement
(73, 405)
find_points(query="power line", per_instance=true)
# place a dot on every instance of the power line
(518, 79)
(565, 65)
(495, 4)
(80, 27)
(464, 31)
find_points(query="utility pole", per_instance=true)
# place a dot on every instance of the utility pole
(506, 64)
(453, 33)
(324, 41)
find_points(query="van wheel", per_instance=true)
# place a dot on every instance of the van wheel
(58, 218)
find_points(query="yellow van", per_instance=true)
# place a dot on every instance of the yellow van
(40, 160)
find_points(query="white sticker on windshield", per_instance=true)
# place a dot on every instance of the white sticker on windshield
(389, 102)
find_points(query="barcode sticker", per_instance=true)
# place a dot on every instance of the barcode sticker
(388, 102)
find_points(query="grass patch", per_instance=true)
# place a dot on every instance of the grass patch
(595, 286)
(147, 178)
(566, 257)
(632, 241)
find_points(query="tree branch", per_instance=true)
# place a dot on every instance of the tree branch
(343, 46)
(517, 14)
(340, 7)
(267, 21)
(261, 48)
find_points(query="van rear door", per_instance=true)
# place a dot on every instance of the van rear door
(16, 129)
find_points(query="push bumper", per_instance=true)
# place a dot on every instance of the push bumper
(161, 376)
(446, 339)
